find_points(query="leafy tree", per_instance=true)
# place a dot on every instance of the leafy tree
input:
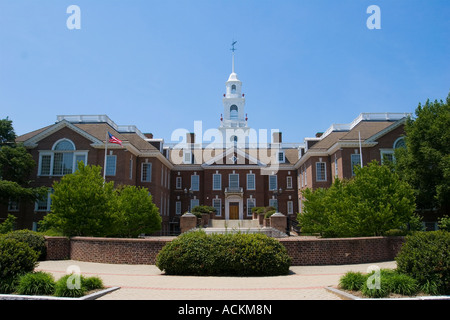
(84, 205)
(371, 203)
(134, 212)
(425, 163)
(16, 165)
(81, 204)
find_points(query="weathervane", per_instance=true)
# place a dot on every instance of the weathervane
(233, 49)
(232, 46)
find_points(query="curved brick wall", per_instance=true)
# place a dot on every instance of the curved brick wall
(303, 251)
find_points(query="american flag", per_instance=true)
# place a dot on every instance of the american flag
(113, 139)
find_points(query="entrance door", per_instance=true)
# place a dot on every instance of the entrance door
(234, 210)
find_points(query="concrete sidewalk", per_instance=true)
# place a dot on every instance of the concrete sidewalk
(147, 282)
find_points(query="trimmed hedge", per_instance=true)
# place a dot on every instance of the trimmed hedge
(35, 240)
(16, 258)
(232, 254)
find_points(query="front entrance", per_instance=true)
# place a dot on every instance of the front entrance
(234, 210)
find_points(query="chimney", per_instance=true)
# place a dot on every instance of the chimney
(319, 134)
(190, 137)
(148, 135)
(276, 137)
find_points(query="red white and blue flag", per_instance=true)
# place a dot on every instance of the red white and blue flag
(113, 139)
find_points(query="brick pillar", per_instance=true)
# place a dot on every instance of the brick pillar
(187, 222)
(278, 221)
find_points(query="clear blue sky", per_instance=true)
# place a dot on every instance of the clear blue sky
(161, 65)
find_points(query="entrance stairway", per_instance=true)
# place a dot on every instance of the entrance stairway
(241, 226)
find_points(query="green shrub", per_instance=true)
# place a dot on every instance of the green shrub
(16, 258)
(444, 223)
(401, 284)
(425, 256)
(36, 283)
(8, 284)
(8, 225)
(68, 286)
(35, 241)
(352, 281)
(234, 254)
(92, 283)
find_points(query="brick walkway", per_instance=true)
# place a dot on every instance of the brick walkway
(146, 282)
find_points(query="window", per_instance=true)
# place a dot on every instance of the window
(281, 157)
(251, 203)
(273, 184)
(13, 206)
(289, 182)
(131, 168)
(217, 204)
(233, 182)
(111, 161)
(273, 203)
(233, 88)
(321, 171)
(146, 174)
(43, 205)
(178, 184)
(233, 112)
(178, 207)
(290, 207)
(61, 160)
(195, 183)
(217, 181)
(194, 203)
(187, 157)
(336, 171)
(355, 160)
(387, 156)
(400, 143)
(250, 181)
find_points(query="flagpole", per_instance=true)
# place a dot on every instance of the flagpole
(106, 151)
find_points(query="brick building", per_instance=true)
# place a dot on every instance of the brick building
(235, 171)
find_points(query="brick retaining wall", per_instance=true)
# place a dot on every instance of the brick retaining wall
(304, 251)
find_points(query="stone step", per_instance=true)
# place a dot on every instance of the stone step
(230, 224)
(270, 232)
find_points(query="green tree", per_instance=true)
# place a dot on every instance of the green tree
(425, 163)
(134, 212)
(81, 204)
(371, 203)
(16, 165)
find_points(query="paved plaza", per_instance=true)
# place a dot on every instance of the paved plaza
(147, 282)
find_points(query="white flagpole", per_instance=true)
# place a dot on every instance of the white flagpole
(360, 149)
(106, 151)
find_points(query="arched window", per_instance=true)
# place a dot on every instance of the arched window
(61, 160)
(400, 143)
(233, 112)
(233, 88)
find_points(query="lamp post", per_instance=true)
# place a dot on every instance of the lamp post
(189, 193)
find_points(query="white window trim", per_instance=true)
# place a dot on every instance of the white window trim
(109, 156)
(179, 183)
(290, 207)
(276, 182)
(229, 180)
(219, 213)
(289, 184)
(386, 151)
(49, 202)
(198, 184)
(324, 171)
(254, 181)
(283, 160)
(178, 208)
(250, 200)
(148, 170)
(52, 153)
(351, 161)
(185, 153)
(220, 181)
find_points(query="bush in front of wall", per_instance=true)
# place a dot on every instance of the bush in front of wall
(232, 254)
(35, 240)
